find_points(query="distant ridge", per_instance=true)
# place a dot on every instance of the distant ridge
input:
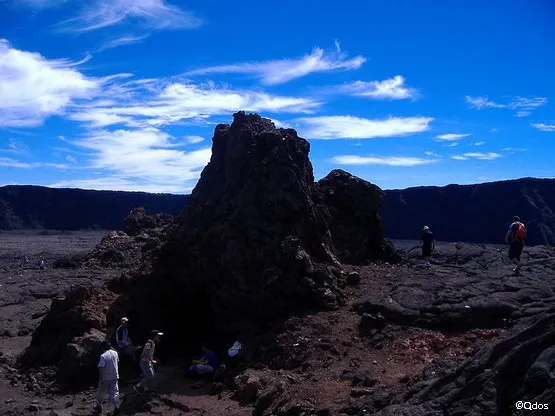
(477, 213)
(36, 207)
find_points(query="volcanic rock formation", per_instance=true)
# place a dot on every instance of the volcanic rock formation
(254, 244)
(256, 239)
(351, 206)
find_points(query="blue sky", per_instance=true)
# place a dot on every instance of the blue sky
(125, 94)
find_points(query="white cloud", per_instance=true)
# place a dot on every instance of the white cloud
(145, 156)
(284, 70)
(123, 40)
(513, 149)
(121, 184)
(151, 14)
(387, 161)
(158, 103)
(522, 105)
(479, 156)
(393, 89)
(15, 147)
(33, 87)
(349, 127)
(452, 136)
(71, 159)
(6, 162)
(194, 139)
(479, 143)
(543, 127)
(493, 130)
(432, 154)
(453, 144)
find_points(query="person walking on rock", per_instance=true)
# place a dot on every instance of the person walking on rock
(147, 362)
(516, 237)
(108, 378)
(427, 242)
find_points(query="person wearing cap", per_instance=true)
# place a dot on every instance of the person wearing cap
(147, 362)
(108, 377)
(123, 341)
(427, 242)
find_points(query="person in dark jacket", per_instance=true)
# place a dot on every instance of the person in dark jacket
(427, 242)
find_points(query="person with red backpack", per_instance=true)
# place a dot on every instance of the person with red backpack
(516, 236)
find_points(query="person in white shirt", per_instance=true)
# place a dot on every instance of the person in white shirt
(108, 376)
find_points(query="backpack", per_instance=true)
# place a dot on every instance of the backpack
(520, 234)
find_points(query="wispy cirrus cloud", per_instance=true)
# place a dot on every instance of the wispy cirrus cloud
(146, 157)
(514, 149)
(194, 139)
(478, 143)
(389, 89)
(523, 106)
(15, 147)
(148, 14)
(380, 160)
(451, 137)
(122, 41)
(283, 70)
(432, 154)
(33, 87)
(6, 162)
(350, 127)
(479, 156)
(543, 127)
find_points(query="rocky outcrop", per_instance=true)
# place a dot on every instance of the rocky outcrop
(478, 213)
(519, 367)
(128, 248)
(138, 221)
(70, 334)
(352, 207)
(255, 243)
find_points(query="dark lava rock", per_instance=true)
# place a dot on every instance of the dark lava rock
(353, 278)
(255, 205)
(351, 205)
(62, 334)
(138, 221)
(517, 367)
(360, 392)
(368, 322)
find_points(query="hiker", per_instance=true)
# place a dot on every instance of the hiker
(147, 362)
(123, 341)
(516, 237)
(427, 242)
(208, 364)
(108, 376)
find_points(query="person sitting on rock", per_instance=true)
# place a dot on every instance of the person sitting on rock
(108, 377)
(427, 242)
(147, 362)
(516, 237)
(208, 364)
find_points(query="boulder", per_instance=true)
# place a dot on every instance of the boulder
(79, 358)
(138, 221)
(80, 310)
(351, 206)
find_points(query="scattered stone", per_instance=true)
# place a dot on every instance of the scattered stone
(353, 278)
(360, 392)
